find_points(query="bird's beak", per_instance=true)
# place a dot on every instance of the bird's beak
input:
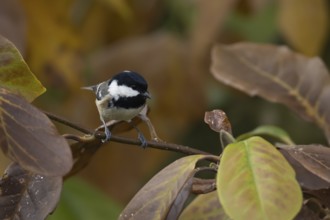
(147, 95)
(91, 88)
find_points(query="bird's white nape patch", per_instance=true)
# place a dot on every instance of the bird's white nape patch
(117, 91)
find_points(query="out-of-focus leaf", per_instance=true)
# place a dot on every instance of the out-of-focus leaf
(28, 137)
(268, 130)
(307, 213)
(205, 206)
(255, 181)
(28, 196)
(305, 24)
(306, 178)
(121, 7)
(12, 23)
(81, 201)
(322, 195)
(154, 200)
(15, 75)
(315, 158)
(279, 75)
(82, 153)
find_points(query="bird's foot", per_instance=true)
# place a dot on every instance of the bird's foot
(143, 140)
(107, 135)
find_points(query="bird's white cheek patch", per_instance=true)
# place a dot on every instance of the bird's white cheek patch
(121, 91)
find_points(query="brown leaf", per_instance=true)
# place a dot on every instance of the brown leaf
(29, 138)
(305, 24)
(217, 120)
(278, 75)
(28, 196)
(155, 199)
(306, 179)
(315, 158)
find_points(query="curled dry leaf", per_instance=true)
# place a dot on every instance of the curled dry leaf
(278, 75)
(28, 196)
(29, 138)
(217, 120)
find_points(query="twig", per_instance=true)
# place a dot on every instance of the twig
(153, 144)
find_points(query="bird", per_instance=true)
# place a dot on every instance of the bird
(121, 98)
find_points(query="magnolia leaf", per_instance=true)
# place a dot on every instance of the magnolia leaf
(254, 181)
(306, 178)
(155, 199)
(29, 138)
(305, 23)
(315, 158)
(268, 130)
(204, 206)
(28, 196)
(278, 75)
(15, 75)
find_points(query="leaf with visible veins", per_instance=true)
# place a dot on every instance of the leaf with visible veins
(29, 138)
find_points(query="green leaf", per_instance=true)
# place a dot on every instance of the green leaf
(155, 199)
(80, 201)
(28, 137)
(268, 130)
(15, 75)
(204, 206)
(254, 181)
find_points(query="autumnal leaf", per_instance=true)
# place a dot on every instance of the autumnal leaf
(254, 178)
(315, 158)
(82, 153)
(306, 178)
(204, 206)
(217, 120)
(29, 138)
(268, 130)
(278, 75)
(154, 200)
(15, 75)
(305, 24)
(28, 196)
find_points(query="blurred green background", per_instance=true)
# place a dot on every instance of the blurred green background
(74, 43)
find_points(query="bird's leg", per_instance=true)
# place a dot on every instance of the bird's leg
(106, 131)
(140, 135)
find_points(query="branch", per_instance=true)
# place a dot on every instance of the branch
(100, 135)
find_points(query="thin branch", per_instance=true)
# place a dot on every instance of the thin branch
(100, 135)
(67, 123)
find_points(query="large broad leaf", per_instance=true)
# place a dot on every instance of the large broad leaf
(255, 181)
(305, 24)
(155, 199)
(279, 75)
(15, 75)
(28, 196)
(28, 137)
(315, 158)
(204, 206)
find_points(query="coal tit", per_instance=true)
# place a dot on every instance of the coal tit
(121, 98)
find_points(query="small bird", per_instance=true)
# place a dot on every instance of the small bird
(121, 98)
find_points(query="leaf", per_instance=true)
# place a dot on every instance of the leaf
(28, 196)
(154, 200)
(29, 138)
(278, 75)
(15, 75)
(81, 201)
(82, 153)
(315, 158)
(204, 206)
(217, 120)
(268, 130)
(305, 24)
(306, 179)
(254, 178)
